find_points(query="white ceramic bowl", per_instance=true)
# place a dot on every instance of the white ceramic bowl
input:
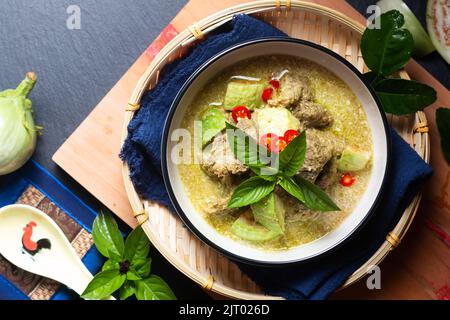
(377, 122)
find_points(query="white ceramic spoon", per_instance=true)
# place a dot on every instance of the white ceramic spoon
(59, 263)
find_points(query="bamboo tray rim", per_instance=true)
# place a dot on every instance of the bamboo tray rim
(141, 207)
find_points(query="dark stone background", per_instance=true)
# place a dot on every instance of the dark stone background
(76, 68)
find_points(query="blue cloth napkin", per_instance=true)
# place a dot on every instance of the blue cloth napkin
(316, 280)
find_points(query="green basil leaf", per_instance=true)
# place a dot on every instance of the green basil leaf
(127, 290)
(250, 191)
(291, 187)
(153, 288)
(293, 156)
(387, 49)
(372, 78)
(137, 245)
(249, 152)
(399, 96)
(244, 147)
(106, 235)
(143, 267)
(268, 173)
(133, 275)
(104, 284)
(443, 124)
(110, 265)
(315, 198)
(114, 256)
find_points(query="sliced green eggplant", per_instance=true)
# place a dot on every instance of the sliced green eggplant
(438, 25)
(353, 159)
(246, 94)
(269, 212)
(422, 42)
(275, 120)
(213, 122)
(246, 228)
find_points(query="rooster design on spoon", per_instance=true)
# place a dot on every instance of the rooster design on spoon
(33, 247)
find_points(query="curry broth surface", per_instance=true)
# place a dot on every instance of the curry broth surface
(350, 124)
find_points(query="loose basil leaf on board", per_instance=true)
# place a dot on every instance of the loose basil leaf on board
(399, 96)
(443, 124)
(137, 245)
(293, 156)
(110, 265)
(315, 198)
(106, 235)
(104, 284)
(127, 290)
(289, 184)
(250, 191)
(153, 288)
(143, 267)
(387, 49)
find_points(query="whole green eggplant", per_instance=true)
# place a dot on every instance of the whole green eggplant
(17, 129)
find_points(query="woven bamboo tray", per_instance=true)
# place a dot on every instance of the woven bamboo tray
(165, 230)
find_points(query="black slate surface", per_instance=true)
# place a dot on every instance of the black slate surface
(76, 68)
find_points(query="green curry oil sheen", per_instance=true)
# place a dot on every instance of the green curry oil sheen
(349, 125)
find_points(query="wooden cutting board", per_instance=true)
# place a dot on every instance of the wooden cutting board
(419, 269)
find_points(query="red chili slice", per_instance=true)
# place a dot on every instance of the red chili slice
(266, 94)
(347, 180)
(275, 83)
(281, 144)
(240, 112)
(290, 135)
(273, 143)
(269, 140)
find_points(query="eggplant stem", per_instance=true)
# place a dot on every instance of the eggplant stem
(25, 87)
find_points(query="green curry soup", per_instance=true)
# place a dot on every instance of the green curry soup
(315, 100)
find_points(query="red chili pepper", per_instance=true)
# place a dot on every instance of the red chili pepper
(240, 112)
(275, 83)
(290, 135)
(269, 140)
(347, 180)
(273, 143)
(281, 144)
(266, 94)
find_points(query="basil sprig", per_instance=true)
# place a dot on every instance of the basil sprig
(385, 51)
(128, 266)
(284, 167)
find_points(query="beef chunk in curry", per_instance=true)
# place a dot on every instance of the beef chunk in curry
(322, 147)
(312, 115)
(292, 88)
(218, 159)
